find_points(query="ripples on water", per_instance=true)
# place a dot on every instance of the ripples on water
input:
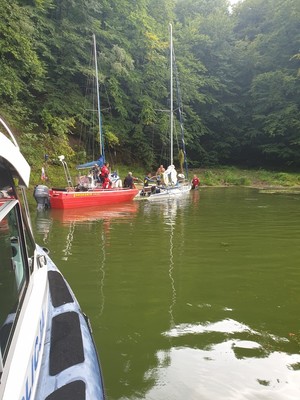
(192, 299)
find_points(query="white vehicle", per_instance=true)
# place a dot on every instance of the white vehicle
(47, 350)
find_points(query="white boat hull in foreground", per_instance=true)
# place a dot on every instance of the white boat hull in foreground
(47, 350)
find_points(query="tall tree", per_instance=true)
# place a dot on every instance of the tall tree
(22, 71)
(271, 39)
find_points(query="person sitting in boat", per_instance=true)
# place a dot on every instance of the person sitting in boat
(96, 173)
(159, 174)
(83, 183)
(104, 172)
(195, 182)
(129, 181)
(116, 181)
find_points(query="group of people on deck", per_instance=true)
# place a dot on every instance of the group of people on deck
(159, 180)
(102, 176)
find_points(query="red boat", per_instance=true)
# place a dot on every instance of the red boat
(86, 193)
(60, 198)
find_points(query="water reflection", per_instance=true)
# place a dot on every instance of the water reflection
(67, 250)
(218, 358)
(217, 374)
(196, 299)
(74, 218)
(102, 246)
(225, 326)
(105, 213)
(167, 211)
(169, 215)
(43, 224)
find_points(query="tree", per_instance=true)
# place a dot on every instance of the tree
(22, 71)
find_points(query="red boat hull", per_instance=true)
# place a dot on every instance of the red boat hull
(97, 197)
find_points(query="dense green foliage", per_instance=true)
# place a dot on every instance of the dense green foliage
(238, 72)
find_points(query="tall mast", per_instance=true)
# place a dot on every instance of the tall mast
(98, 99)
(171, 93)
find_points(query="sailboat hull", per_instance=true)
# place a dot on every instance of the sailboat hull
(170, 193)
(97, 197)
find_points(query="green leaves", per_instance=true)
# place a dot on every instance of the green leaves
(21, 69)
(238, 74)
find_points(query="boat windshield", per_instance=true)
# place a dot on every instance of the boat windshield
(14, 264)
(12, 271)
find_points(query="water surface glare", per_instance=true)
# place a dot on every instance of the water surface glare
(190, 299)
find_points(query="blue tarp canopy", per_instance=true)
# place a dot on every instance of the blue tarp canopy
(99, 162)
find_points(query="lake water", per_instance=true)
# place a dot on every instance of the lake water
(191, 299)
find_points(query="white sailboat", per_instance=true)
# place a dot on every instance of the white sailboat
(172, 186)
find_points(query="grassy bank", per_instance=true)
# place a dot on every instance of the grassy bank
(232, 176)
(222, 176)
(35, 147)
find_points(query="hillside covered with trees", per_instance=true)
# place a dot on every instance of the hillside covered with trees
(238, 71)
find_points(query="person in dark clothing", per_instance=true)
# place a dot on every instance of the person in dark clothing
(148, 180)
(129, 181)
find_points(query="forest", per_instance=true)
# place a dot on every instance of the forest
(238, 68)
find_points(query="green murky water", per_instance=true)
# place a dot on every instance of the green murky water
(194, 299)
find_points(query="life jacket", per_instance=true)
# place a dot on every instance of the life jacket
(104, 171)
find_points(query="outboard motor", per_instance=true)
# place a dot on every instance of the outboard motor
(41, 195)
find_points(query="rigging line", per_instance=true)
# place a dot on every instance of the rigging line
(171, 91)
(108, 101)
(176, 137)
(90, 89)
(87, 128)
(98, 100)
(180, 112)
(83, 128)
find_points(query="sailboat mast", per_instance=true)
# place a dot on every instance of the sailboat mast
(98, 100)
(171, 94)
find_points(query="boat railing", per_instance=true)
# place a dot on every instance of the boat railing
(66, 171)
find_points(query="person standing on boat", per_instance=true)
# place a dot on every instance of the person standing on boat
(195, 182)
(128, 181)
(159, 174)
(106, 183)
(148, 180)
(104, 172)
